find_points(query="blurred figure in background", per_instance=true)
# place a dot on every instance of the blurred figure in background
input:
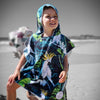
(19, 39)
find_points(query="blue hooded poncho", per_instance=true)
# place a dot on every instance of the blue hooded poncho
(44, 62)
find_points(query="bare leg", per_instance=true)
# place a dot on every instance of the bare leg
(11, 91)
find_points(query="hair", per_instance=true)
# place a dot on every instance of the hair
(47, 7)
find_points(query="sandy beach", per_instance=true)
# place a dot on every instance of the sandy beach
(84, 70)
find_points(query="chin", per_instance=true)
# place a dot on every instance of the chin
(53, 27)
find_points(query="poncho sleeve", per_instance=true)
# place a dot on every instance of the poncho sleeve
(29, 51)
(68, 45)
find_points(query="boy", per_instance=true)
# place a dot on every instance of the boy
(45, 59)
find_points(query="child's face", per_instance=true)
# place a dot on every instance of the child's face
(49, 20)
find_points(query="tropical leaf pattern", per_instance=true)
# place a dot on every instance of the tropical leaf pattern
(44, 62)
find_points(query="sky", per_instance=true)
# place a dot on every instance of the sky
(76, 17)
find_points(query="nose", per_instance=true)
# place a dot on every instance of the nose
(53, 18)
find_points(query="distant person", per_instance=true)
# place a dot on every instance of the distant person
(45, 60)
(19, 39)
(12, 36)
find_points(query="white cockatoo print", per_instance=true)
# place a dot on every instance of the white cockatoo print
(46, 71)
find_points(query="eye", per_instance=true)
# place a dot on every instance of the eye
(55, 17)
(48, 17)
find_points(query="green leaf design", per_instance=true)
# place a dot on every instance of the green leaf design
(71, 44)
(37, 37)
(59, 50)
(38, 64)
(54, 92)
(24, 81)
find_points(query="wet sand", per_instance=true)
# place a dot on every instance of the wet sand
(84, 70)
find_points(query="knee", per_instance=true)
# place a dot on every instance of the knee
(10, 87)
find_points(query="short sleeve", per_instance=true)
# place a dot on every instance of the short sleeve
(68, 45)
(29, 51)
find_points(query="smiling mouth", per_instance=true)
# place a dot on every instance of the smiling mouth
(52, 23)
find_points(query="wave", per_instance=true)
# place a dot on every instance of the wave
(4, 42)
(84, 40)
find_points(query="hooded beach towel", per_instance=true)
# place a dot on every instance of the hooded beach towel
(44, 62)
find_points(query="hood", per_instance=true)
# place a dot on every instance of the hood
(39, 19)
